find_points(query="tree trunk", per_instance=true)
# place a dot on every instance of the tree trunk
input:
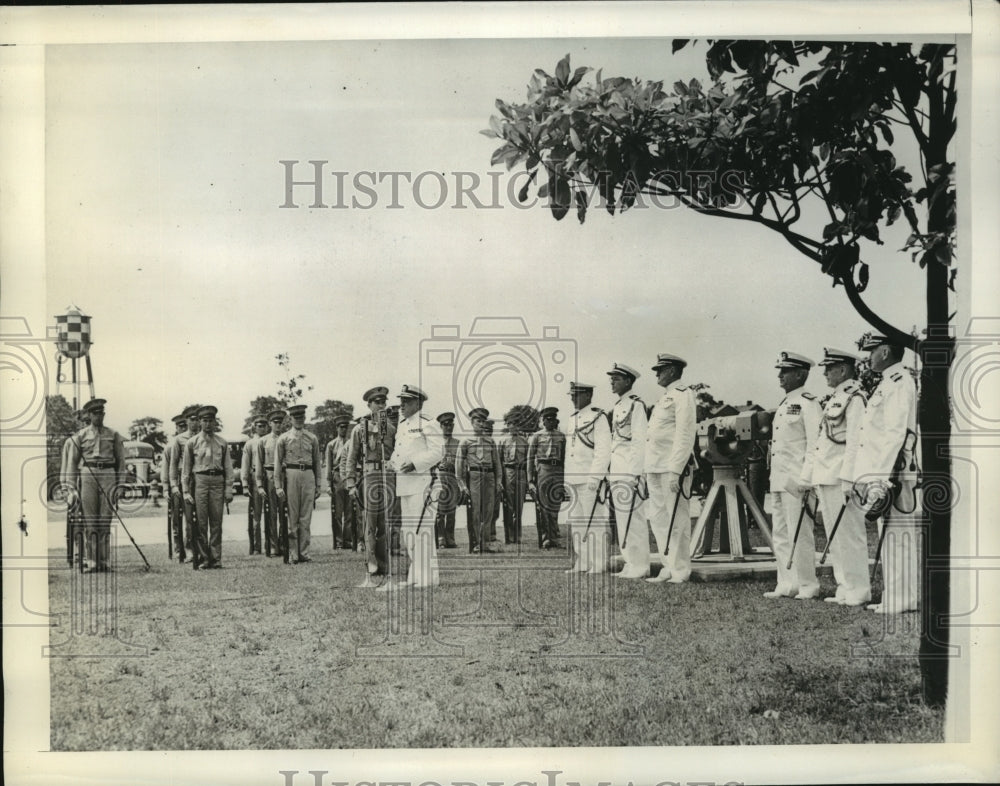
(933, 416)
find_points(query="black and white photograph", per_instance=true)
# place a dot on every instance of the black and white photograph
(543, 393)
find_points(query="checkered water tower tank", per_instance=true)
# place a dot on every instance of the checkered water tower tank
(73, 333)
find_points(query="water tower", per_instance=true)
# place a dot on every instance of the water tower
(73, 343)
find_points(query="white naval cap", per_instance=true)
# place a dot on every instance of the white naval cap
(793, 360)
(622, 369)
(832, 356)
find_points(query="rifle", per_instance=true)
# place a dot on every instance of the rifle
(382, 423)
(72, 527)
(250, 508)
(170, 526)
(283, 533)
(267, 520)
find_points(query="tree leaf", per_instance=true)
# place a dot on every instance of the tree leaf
(562, 71)
(862, 277)
(559, 196)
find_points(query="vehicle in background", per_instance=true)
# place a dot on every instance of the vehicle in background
(138, 470)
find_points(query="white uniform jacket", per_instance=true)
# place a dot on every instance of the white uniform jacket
(588, 445)
(419, 442)
(796, 426)
(891, 410)
(837, 442)
(670, 434)
(628, 435)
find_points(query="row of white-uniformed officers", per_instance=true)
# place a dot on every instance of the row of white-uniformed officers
(852, 454)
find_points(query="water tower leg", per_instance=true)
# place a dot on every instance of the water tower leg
(90, 378)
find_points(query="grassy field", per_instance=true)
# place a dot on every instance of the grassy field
(508, 651)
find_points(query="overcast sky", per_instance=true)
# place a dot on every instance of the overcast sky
(164, 186)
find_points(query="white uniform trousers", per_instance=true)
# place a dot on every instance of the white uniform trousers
(849, 547)
(660, 508)
(420, 547)
(590, 555)
(900, 576)
(801, 579)
(635, 552)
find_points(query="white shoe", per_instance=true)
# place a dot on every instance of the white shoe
(807, 595)
(632, 573)
(576, 569)
(596, 571)
(659, 578)
(777, 593)
(676, 580)
(834, 600)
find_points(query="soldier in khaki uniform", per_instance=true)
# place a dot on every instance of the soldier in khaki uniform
(266, 491)
(340, 504)
(207, 480)
(520, 421)
(248, 477)
(449, 493)
(96, 465)
(175, 507)
(546, 458)
(670, 435)
(477, 467)
(297, 479)
(370, 480)
(193, 427)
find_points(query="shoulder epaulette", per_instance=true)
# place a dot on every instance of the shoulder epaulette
(896, 377)
(596, 409)
(424, 417)
(681, 388)
(808, 397)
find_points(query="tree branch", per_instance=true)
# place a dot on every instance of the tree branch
(889, 331)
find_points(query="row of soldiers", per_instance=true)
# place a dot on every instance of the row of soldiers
(633, 461)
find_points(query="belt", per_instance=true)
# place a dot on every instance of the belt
(475, 468)
(100, 464)
(373, 464)
(550, 462)
(269, 467)
(209, 472)
(302, 467)
(515, 464)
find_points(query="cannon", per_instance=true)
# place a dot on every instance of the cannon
(729, 444)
